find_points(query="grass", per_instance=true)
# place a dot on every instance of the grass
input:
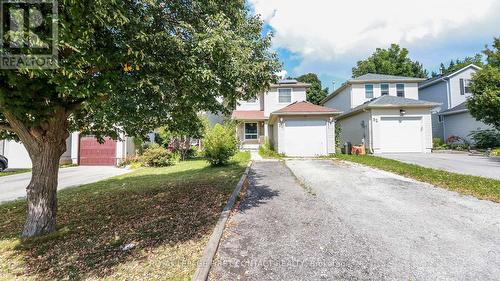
(266, 151)
(14, 172)
(167, 214)
(483, 188)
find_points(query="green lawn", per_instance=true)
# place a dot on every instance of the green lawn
(479, 187)
(167, 213)
(13, 172)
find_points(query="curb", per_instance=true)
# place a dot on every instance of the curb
(203, 269)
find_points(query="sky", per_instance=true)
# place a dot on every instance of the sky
(328, 37)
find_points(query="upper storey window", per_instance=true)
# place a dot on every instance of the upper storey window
(384, 89)
(284, 95)
(400, 90)
(369, 91)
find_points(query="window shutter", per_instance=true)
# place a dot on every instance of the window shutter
(462, 89)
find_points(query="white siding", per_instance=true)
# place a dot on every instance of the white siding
(271, 102)
(358, 95)
(341, 101)
(461, 124)
(456, 97)
(353, 131)
(245, 105)
(17, 155)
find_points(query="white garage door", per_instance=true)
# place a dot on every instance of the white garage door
(305, 137)
(401, 134)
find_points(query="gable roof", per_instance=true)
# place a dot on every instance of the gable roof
(457, 109)
(434, 80)
(389, 102)
(304, 107)
(372, 78)
(375, 77)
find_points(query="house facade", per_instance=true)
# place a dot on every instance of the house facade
(451, 90)
(383, 113)
(80, 150)
(282, 116)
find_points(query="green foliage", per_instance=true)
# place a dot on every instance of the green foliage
(266, 150)
(315, 94)
(338, 137)
(220, 144)
(483, 188)
(135, 65)
(495, 152)
(391, 61)
(157, 156)
(484, 104)
(438, 143)
(458, 63)
(486, 138)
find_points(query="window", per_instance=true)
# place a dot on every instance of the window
(440, 118)
(368, 91)
(250, 131)
(400, 90)
(464, 86)
(384, 89)
(284, 95)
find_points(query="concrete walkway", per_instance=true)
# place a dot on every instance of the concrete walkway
(356, 224)
(488, 167)
(14, 187)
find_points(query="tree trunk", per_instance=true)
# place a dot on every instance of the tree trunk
(42, 192)
(45, 144)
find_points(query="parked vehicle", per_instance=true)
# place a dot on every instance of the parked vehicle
(4, 163)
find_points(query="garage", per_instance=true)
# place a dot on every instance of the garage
(401, 134)
(93, 153)
(303, 129)
(305, 137)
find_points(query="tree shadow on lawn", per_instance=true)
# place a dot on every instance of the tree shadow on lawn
(95, 221)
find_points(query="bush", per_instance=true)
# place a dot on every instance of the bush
(157, 156)
(267, 151)
(495, 152)
(486, 138)
(220, 144)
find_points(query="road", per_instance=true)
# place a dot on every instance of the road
(14, 187)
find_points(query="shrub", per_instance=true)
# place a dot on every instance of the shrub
(267, 151)
(495, 152)
(486, 138)
(157, 156)
(220, 144)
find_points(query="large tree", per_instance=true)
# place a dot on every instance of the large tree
(315, 94)
(391, 61)
(129, 66)
(477, 59)
(484, 104)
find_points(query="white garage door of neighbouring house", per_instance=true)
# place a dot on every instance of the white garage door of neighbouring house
(305, 137)
(401, 134)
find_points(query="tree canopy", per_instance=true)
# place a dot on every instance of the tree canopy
(129, 66)
(459, 63)
(391, 61)
(484, 104)
(315, 94)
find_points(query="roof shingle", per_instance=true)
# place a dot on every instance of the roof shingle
(305, 107)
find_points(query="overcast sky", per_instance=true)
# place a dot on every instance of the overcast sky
(328, 37)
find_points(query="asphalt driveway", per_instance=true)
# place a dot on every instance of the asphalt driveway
(14, 187)
(356, 223)
(459, 163)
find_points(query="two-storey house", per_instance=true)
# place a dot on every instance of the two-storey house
(383, 113)
(452, 118)
(282, 115)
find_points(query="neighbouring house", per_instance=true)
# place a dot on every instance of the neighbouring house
(282, 116)
(80, 150)
(383, 113)
(452, 118)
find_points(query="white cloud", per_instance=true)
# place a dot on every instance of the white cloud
(319, 30)
(282, 74)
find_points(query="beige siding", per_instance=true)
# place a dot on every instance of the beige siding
(358, 96)
(342, 101)
(352, 131)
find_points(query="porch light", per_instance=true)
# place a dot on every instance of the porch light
(331, 119)
(402, 112)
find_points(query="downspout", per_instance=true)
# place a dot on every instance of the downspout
(370, 132)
